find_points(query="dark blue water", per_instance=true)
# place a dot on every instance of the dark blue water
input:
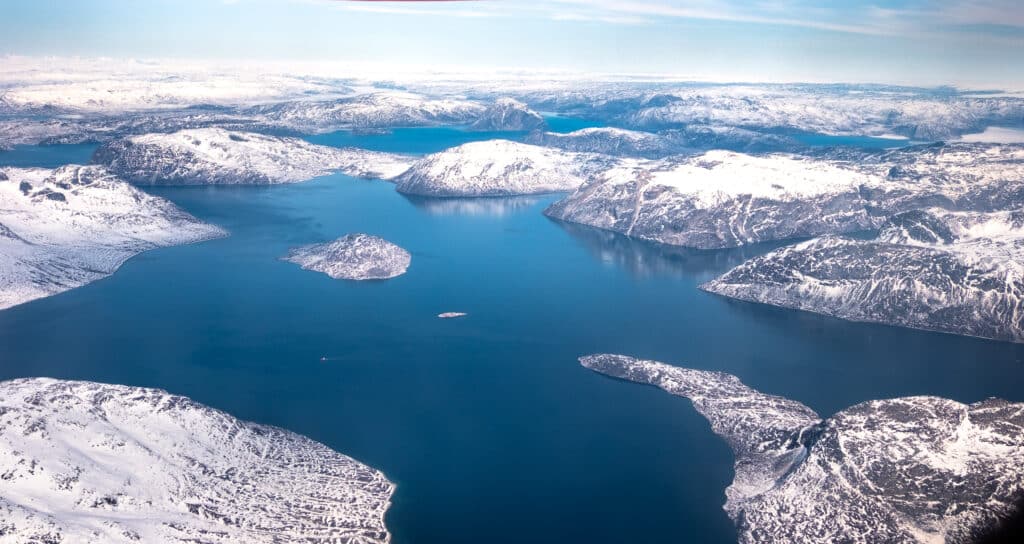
(47, 156)
(489, 426)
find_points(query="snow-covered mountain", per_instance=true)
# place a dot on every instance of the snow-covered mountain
(217, 156)
(867, 110)
(89, 462)
(381, 109)
(353, 257)
(508, 114)
(958, 176)
(126, 86)
(720, 199)
(608, 141)
(67, 227)
(725, 199)
(730, 138)
(906, 470)
(955, 272)
(499, 168)
(651, 145)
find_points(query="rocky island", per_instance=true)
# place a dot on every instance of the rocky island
(906, 470)
(499, 168)
(353, 257)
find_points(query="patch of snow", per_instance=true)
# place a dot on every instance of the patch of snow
(218, 156)
(955, 272)
(999, 135)
(353, 257)
(67, 227)
(499, 168)
(90, 462)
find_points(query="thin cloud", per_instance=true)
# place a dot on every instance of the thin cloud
(404, 10)
(930, 20)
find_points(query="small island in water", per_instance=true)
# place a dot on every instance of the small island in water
(353, 257)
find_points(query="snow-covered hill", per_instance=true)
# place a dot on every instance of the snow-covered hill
(381, 109)
(651, 145)
(958, 176)
(725, 199)
(67, 227)
(89, 463)
(955, 272)
(122, 90)
(608, 141)
(867, 110)
(499, 168)
(216, 156)
(353, 257)
(720, 199)
(508, 114)
(906, 470)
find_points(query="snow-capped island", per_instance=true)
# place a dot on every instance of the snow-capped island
(64, 228)
(725, 199)
(215, 156)
(954, 272)
(914, 469)
(507, 114)
(353, 257)
(499, 168)
(91, 462)
(720, 199)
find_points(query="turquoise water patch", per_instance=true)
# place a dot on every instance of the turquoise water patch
(47, 156)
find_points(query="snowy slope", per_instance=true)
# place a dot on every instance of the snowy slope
(218, 156)
(379, 109)
(955, 272)
(651, 145)
(499, 168)
(907, 470)
(870, 110)
(725, 199)
(106, 85)
(720, 199)
(508, 114)
(67, 227)
(958, 176)
(89, 463)
(353, 257)
(609, 141)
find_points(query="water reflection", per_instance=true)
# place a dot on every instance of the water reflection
(492, 206)
(646, 259)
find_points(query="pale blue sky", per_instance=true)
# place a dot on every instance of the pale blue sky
(971, 43)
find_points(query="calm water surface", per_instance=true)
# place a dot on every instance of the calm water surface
(423, 140)
(47, 156)
(489, 426)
